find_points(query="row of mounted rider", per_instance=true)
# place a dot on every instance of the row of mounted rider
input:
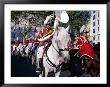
(56, 40)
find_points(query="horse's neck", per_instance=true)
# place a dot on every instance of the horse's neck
(54, 41)
(52, 54)
(52, 51)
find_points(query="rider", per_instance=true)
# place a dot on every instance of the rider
(26, 41)
(17, 41)
(36, 43)
(43, 45)
(85, 47)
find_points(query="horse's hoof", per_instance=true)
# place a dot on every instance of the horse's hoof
(40, 75)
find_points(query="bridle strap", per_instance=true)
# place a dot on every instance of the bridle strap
(66, 49)
(56, 49)
(59, 52)
(52, 64)
(48, 60)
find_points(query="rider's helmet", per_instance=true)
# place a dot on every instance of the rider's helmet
(84, 29)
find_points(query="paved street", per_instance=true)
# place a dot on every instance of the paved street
(20, 67)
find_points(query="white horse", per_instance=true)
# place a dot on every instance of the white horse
(34, 55)
(28, 50)
(14, 49)
(58, 52)
(19, 48)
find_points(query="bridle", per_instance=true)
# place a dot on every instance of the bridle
(59, 50)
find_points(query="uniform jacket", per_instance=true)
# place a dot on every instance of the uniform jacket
(85, 47)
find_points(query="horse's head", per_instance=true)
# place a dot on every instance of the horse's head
(62, 40)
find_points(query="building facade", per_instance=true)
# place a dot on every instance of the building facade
(94, 27)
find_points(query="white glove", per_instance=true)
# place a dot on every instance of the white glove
(47, 19)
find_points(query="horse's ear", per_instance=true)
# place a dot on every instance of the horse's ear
(68, 28)
(64, 17)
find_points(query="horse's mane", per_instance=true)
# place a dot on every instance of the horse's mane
(62, 30)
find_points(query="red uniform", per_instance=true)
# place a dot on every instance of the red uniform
(35, 42)
(43, 32)
(26, 41)
(42, 44)
(85, 47)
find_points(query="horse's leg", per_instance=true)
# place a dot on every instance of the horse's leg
(32, 59)
(38, 67)
(41, 74)
(36, 59)
(57, 74)
(37, 62)
(46, 72)
(95, 70)
(90, 66)
(11, 53)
